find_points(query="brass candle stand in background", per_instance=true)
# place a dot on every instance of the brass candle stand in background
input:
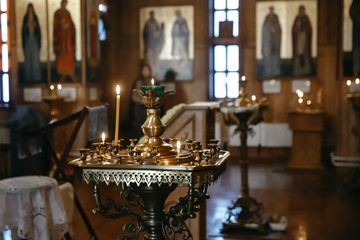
(246, 211)
(149, 172)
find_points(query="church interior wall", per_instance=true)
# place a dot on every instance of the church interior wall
(120, 64)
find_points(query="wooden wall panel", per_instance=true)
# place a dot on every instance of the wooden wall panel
(120, 63)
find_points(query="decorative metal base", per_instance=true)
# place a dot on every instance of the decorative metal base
(153, 198)
(150, 199)
(245, 214)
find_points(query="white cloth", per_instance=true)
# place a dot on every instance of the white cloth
(98, 122)
(239, 109)
(67, 196)
(31, 207)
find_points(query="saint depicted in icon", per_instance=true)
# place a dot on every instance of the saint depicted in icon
(180, 45)
(153, 36)
(31, 43)
(301, 39)
(64, 43)
(270, 43)
(355, 16)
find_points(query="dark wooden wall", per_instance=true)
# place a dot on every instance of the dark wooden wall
(122, 60)
(120, 63)
(121, 53)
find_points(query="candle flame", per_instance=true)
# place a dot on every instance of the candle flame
(357, 81)
(348, 82)
(253, 97)
(117, 90)
(300, 94)
(103, 137)
(59, 86)
(243, 78)
(152, 81)
(52, 87)
(178, 144)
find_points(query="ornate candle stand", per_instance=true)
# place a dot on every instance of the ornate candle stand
(148, 173)
(246, 211)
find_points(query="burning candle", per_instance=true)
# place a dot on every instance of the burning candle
(178, 147)
(348, 83)
(103, 138)
(117, 114)
(52, 88)
(299, 93)
(243, 78)
(253, 98)
(159, 89)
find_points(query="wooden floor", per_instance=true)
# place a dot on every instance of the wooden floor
(317, 204)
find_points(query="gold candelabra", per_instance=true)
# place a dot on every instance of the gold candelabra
(154, 150)
(149, 172)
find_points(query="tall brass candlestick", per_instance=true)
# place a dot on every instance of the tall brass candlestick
(117, 114)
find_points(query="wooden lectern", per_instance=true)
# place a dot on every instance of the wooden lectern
(307, 128)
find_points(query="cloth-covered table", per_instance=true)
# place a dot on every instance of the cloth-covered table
(31, 207)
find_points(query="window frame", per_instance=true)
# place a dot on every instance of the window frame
(3, 103)
(224, 41)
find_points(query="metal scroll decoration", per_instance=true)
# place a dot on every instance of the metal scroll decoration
(108, 207)
(185, 208)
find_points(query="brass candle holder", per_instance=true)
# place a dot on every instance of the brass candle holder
(149, 172)
(242, 112)
(154, 150)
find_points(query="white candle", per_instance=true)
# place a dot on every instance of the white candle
(300, 94)
(52, 90)
(348, 83)
(178, 147)
(103, 137)
(152, 81)
(117, 114)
